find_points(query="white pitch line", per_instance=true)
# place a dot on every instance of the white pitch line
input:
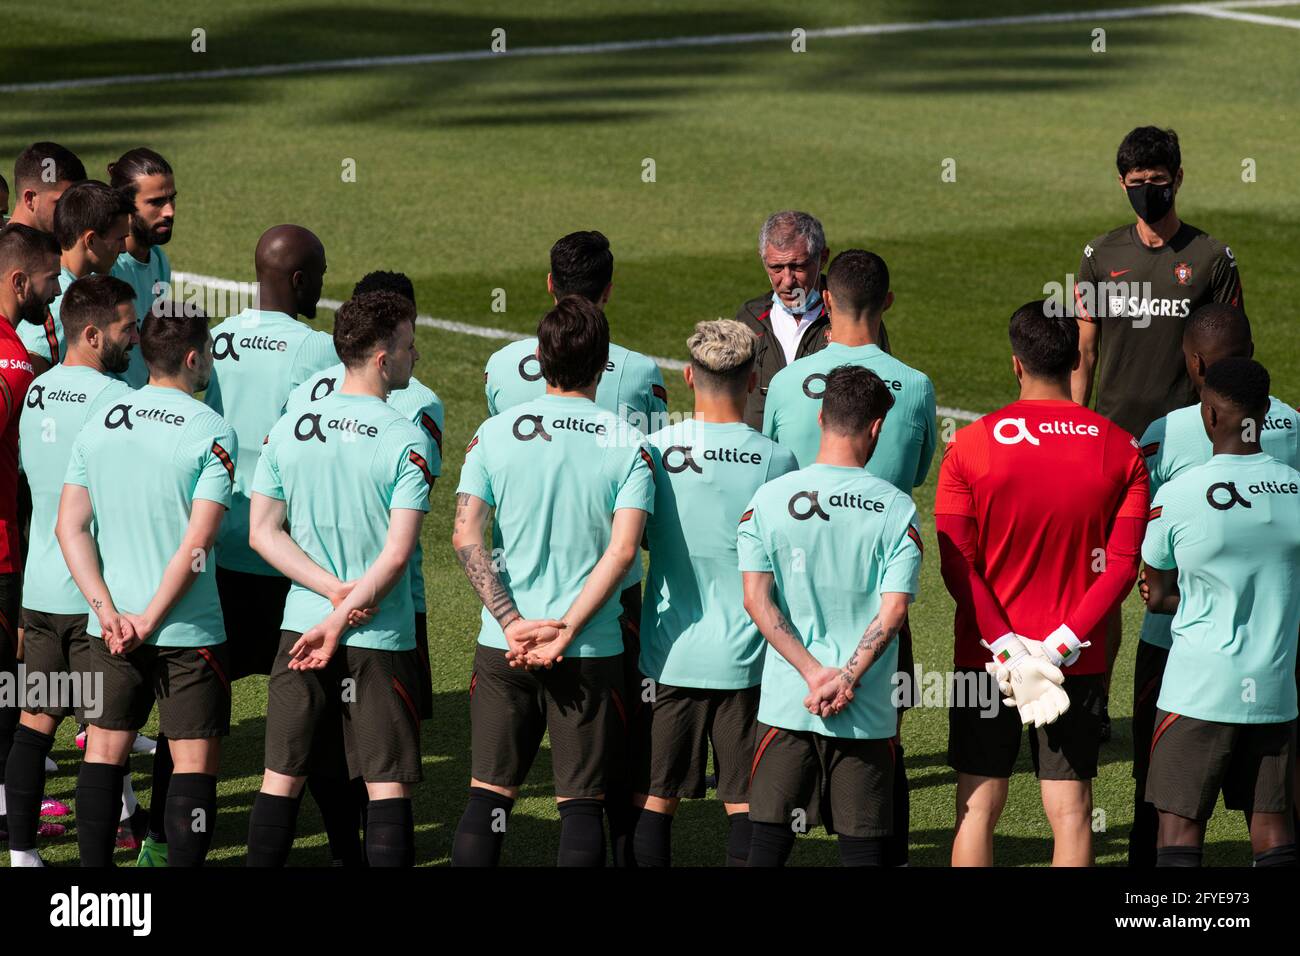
(623, 46)
(1249, 18)
(484, 332)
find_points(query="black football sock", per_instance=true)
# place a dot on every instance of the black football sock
(390, 833)
(24, 783)
(1284, 855)
(271, 827)
(862, 851)
(740, 834)
(482, 829)
(336, 798)
(162, 778)
(99, 808)
(1142, 837)
(582, 833)
(1178, 856)
(652, 843)
(622, 816)
(770, 844)
(896, 844)
(190, 818)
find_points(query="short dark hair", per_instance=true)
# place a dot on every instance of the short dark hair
(1242, 381)
(32, 161)
(1148, 147)
(131, 165)
(854, 397)
(1047, 344)
(369, 321)
(92, 300)
(1220, 324)
(573, 343)
(581, 264)
(87, 205)
(4, 184)
(23, 247)
(859, 280)
(385, 282)
(165, 340)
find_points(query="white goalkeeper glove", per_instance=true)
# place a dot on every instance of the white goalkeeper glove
(1063, 646)
(1028, 677)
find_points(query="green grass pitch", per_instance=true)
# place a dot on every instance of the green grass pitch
(466, 172)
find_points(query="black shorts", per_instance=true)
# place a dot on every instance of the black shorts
(985, 741)
(800, 778)
(368, 693)
(252, 606)
(1148, 675)
(1193, 759)
(671, 738)
(424, 677)
(906, 662)
(56, 645)
(190, 685)
(578, 701)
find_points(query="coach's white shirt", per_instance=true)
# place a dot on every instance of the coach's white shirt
(789, 328)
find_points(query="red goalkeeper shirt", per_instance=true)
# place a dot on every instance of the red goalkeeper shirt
(1044, 481)
(15, 376)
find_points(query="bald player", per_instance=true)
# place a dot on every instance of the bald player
(1171, 445)
(42, 173)
(262, 355)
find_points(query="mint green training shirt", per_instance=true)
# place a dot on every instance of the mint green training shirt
(694, 629)
(556, 469)
(1232, 529)
(341, 467)
(150, 281)
(144, 461)
(907, 438)
(835, 539)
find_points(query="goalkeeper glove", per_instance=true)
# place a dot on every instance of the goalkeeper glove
(1063, 646)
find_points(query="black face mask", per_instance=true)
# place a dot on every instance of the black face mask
(1151, 202)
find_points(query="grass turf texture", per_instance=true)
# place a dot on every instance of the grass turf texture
(467, 172)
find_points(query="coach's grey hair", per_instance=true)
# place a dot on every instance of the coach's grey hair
(721, 346)
(783, 228)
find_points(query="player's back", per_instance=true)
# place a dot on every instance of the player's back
(907, 438)
(259, 357)
(58, 404)
(1044, 481)
(1232, 527)
(1177, 442)
(341, 466)
(835, 537)
(555, 469)
(694, 629)
(144, 459)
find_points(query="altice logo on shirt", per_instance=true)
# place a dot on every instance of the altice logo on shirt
(818, 379)
(528, 427)
(802, 512)
(323, 389)
(1012, 431)
(308, 427)
(687, 458)
(530, 362)
(1223, 495)
(36, 397)
(224, 345)
(119, 416)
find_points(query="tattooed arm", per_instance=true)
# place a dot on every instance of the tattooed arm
(883, 628)
(481, 569)
(779, 632)
(81, 553)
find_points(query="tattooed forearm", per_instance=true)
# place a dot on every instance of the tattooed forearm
(485, 580)
(462, 512)
(873, 643)
(97, 604)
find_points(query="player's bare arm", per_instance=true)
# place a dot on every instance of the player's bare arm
(882, 629)
(1162, 587)
(779, 632)
(269, 537)
(82, 556)
(472, 515)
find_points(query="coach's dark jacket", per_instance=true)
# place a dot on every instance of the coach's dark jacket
(756, 313)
